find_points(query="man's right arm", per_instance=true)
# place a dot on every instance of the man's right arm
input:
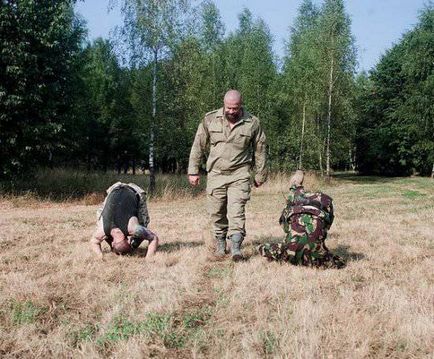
(197, 152)
(95, 244)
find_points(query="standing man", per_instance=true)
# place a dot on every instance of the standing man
(236, 143)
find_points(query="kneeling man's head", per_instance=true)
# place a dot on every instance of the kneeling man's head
(120, 244)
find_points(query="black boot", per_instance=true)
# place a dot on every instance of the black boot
(236, 239)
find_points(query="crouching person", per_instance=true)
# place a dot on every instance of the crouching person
(305, 220)
(122, 221)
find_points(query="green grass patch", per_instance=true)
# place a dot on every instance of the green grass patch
(172, 330)
(412, 194)
(269, 342)
(85, 334)
(196, 318)
(25, 312)
(120, 329)
(156, 325)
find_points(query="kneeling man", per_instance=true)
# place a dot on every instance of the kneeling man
(122, 221)
(306, 220)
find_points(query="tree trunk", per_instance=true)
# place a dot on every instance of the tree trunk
(300, 164)
(320, 144)
(432, 172)
(134, 166)
(151, 130)
(329, 115)
(126, 165)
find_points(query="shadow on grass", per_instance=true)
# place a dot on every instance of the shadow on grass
(343, 251)
(364, 179)
(178, 245)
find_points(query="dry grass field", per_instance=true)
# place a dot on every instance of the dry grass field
(56, 300)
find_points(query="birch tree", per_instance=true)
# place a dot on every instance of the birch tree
(301, 73)
(152, 27)
(338, 53)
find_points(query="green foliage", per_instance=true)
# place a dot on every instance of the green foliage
(318, 68)
(212, 28)
(396, 126)
(103, 130)
(39, 42)
(64, 103)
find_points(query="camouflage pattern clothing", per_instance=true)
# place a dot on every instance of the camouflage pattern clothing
(305, 220)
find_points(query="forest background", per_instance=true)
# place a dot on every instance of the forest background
(135, 100)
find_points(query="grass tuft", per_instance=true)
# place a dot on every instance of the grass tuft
(269, 342)
(196, 318)
(25, 312)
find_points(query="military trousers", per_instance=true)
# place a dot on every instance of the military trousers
(227, 195)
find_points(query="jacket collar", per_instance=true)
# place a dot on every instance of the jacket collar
(245, 117)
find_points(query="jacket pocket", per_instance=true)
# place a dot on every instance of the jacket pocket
(216, 135)
(243, 139)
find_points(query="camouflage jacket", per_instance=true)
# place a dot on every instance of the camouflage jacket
(299, 202)
(143, 214)
(230, 149)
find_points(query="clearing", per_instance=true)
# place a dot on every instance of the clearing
(57, 300)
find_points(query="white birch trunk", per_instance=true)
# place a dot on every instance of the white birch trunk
(329, 115)
(320, 146)
(151, 129)
(300, 164)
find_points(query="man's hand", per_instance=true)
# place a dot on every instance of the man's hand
(194, 179)
(95, 244)
(257, 184)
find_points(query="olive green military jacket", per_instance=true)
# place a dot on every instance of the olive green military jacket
(230, 149)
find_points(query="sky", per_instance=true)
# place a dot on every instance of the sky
(376, 24)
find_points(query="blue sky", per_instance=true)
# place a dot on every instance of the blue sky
(376, 24)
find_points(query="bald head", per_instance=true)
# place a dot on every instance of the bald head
(232, 105)
(233, 96)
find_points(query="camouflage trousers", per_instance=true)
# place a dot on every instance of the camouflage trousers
(304, 244)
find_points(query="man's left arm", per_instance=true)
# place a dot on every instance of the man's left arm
(260, 153)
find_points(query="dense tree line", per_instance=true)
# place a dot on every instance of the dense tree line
(67, 102)
(39, 44)
(396, 107)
